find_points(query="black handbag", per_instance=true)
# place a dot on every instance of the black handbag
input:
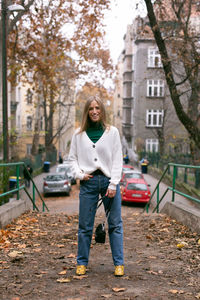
(100, 232)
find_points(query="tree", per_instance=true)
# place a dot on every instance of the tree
(90, 90)
(174, 25)
(47, 51)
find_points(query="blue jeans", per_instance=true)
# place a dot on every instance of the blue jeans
(89, 195)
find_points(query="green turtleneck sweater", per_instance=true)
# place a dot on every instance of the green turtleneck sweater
(95, 131)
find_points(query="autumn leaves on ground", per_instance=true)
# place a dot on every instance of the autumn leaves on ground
(38, 259)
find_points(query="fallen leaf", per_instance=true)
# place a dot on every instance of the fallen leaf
(117, 290)
(176, 291)
(71, 255)
(22, 246)
(37, 250)
(63, 272)
(106, 296)
(197, 296)
(149, 237)
(198, 242)
(173, 291)
(14, 254)
(60, 246)
(126, 277)
(64, 280)
(152, 272)
(80, 277)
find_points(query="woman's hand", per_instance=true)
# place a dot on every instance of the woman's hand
(110, 193)
(87, 177)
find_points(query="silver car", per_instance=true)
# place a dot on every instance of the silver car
(68, 170)
(56, 183)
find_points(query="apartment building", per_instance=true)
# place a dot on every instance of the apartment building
(149, 119)
(27, 122)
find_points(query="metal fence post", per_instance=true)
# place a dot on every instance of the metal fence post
(174, 182)
(17, 173)
(158, 195)
(33, 197)
(185, 175)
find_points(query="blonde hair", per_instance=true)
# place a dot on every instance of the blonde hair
(85, 123)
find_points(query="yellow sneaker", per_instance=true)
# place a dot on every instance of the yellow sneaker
(80, 270)
(119, 270)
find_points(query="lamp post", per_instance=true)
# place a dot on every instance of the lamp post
(4, 81)
(4, 11)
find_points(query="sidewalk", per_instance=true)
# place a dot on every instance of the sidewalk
(182, 209)
(38, 260)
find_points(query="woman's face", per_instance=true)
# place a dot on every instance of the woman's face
(94, 111)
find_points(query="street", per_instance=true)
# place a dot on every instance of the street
(69, 204)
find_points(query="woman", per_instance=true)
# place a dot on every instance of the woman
(96, 158)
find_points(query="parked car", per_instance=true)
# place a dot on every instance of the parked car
(135, 190)
(131, 174)
(127, 168)
(56, 183)
(68, 170)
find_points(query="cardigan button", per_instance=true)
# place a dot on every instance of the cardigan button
(93, 146)
(95, 159)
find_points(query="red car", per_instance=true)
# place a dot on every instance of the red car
(131, 174)
(127, 168)
(135, 190)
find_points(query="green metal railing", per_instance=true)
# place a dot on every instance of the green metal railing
(19, 186)
(173, 188)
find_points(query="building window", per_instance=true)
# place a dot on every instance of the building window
(29, 96)
(154, 59)
(28, 149)
(151, 145)
(155, 88)
(154, 118)
(29, 123)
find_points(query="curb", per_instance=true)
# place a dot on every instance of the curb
(183, 214)
(12, 210)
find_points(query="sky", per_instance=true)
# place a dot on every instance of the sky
(121, 14)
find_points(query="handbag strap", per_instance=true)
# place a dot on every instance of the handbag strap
(100, 201)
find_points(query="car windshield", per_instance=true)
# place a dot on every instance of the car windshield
(64, 169)
(55, 177)
(133, 175)
(126, 169)
(137, 186)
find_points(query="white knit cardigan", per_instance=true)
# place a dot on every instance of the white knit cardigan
(105, 155)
